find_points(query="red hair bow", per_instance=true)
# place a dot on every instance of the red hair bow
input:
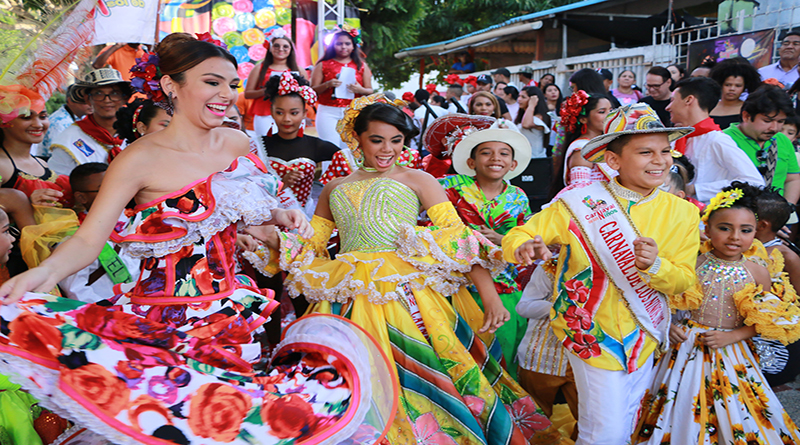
(289, 84)
(408, 96)
(454, 79)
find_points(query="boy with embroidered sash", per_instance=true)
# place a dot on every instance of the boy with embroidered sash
(625, 245)
(485, 160)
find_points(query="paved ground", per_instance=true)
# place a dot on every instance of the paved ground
(789, 395)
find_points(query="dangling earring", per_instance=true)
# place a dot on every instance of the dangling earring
(407, 152)
(300, 132)
(358, 157)
(168, 105)
(583, 129)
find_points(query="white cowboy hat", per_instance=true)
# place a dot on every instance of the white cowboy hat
(508, 135)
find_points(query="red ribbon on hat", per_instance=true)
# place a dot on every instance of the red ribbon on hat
(288, 84)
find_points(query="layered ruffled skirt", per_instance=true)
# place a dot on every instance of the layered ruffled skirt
(712, 396)
(133, 380)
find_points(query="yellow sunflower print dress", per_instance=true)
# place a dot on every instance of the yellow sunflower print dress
(702, 395)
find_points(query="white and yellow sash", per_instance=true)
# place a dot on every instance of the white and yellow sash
(609, 231)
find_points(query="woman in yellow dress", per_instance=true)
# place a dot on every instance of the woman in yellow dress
(406, 286)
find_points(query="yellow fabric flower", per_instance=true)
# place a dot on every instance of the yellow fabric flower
(723, 200)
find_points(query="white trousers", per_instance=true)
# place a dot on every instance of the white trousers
(327, 118)
(608, 401)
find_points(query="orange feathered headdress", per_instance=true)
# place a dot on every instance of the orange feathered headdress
(16, 100)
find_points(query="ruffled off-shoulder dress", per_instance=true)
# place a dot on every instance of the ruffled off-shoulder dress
(170, 359)
(406, 286)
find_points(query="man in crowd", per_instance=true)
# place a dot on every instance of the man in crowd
(658, 84)
(119, 56)
(455, 91)
(785, 70)
(608, 77)
(717, 159)
(420, 98)
(502, 75)
(74, 109)
(526, 77)
(92, 139)
(759, 136)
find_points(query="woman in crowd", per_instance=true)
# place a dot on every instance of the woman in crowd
(582, 115)
(554, 100)
(279, 59)
(139, 118)
(343, 52)
(736, 76)
(546, 79)
(484, 103)
(402, 294)
(590, 81)
(23, 125)
(624, 91)
(170, 358)
(677, 73)
(533, 120)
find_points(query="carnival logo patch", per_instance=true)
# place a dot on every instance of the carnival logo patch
(600, 209)
(83, 147)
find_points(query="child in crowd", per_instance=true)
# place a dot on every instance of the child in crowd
(96, 281)
(625, 245)
(543, 365)
(709, 387)
(778, 362)
(486, 160)
(773, 213)
(139, 118)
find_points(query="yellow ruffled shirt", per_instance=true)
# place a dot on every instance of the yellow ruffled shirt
(674, 225)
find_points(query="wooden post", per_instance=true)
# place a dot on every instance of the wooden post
(158, 25)
(421, 71)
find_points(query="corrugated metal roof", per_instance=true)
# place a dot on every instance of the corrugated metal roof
(521, 18)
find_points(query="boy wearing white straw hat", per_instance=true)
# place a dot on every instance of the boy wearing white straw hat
(485, 159)
(625, 246)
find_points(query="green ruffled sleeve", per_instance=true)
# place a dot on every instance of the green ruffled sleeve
(448, 247)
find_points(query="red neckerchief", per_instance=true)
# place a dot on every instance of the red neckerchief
(101, 135)
(706, 125)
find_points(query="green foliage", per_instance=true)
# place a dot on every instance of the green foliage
(392, 25)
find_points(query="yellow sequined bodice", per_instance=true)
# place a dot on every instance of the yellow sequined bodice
(369, 213)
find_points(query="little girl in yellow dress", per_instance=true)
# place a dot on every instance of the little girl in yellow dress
(406, 286)
(709, 388)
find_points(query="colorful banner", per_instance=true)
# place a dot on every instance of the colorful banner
(756, 47)
(125, 21)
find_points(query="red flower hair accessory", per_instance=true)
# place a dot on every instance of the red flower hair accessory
(288, 84)
(431, 88)
(453, 79)
(145, 75)
(572, 108)
(472, 80)
(354, 32)
(206, 37)
(408, 96)
(16, 100)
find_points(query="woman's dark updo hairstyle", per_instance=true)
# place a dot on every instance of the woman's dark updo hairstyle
(330, 51)
(557, 182)
(124, 123)
(271, 88)
(388, 114)
(747, 201)
(180, 52)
